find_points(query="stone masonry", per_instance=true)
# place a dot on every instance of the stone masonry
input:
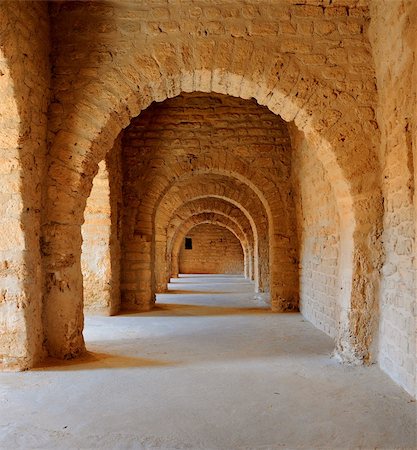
(126, 126)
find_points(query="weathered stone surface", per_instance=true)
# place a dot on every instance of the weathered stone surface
(319, 236)
(24, 93)
(101, 232)
(395, 61)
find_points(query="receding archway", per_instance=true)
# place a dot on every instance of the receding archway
(227, 188)
(176, 247)
(331, 150)
(208, 205)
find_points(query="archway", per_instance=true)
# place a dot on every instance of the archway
(175, 246)
(168, 152)
(208, 205)
(226, 188)
(320, 114)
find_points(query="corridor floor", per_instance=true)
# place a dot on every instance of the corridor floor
(209, 368)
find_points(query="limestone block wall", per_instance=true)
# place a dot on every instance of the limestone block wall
(319, 240)
(214, 250)
(24, 98)
(395, 56)
(101, 233)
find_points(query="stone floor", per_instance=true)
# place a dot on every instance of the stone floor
(207, 369)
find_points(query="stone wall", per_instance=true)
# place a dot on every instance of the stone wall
(395, 59)
(24, 94)
(214, 250)
(101, 232)
(319, 240)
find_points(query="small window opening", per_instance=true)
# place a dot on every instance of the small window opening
(188, 243)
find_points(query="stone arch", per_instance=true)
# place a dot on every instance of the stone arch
(271, 195)
(137, 251)
(321, 112)
(204, 217)
(233, 191)
(222, 177)
(207, 204)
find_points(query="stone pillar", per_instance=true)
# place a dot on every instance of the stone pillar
(136, 279)
(63, 307)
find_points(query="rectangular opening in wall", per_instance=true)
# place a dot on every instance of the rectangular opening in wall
(188, 243)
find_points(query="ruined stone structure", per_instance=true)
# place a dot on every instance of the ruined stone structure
(279, 136)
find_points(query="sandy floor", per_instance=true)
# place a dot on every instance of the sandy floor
(208, 369)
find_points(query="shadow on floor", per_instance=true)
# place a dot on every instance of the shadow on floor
(179, 310)
(93, 360)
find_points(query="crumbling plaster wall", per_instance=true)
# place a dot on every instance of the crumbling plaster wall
(101, 232)
(24, 97)
(319, 240)
(214, 250)
(393, 34)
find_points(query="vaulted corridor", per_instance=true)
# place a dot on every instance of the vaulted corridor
(209, 367)
(208, 224)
